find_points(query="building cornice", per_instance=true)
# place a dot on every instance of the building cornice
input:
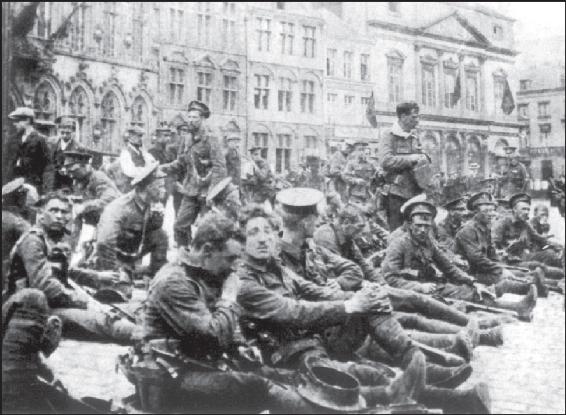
(456, 120)
(541, 91)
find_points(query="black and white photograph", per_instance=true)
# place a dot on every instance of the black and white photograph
(283, 207)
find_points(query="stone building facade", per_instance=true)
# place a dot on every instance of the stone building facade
(541, 111)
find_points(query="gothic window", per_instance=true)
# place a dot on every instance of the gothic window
(79, 107)
(285, 94)
(395, 76)
(204, 22)
(309, 41)
(261, 92)
(307, 97)
(110, 109)
(109, 23)
(283, 153)
(230, 93)
(45, 102)
(331, 62)
(348, 65)
(472, 91)
(176, 86)
(78, 28)
(140, 114)
(264, 34)
(44, 16)
(137, 29)
(364, 67)
(454, 156)
(204, 87)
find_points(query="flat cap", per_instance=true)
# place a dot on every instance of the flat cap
(451, 204)
(43, 123)
(509, 149)
(480, 198)
(254, 148)
(13, 186)
(200, 107)
(151, 171)
(73, 157)
(519, 197)
(218, 188)
(418, 205)
(163, 129)
(66, 120)
(300, 200)
(182, 124)
(22, 112)
(136, 129)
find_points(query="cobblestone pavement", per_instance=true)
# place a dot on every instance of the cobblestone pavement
(525, 375)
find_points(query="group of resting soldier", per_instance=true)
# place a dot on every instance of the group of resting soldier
(255, 299)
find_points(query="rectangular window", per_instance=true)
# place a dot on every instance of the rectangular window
(497, 32)
(364, 67)
(77, 29)
(263, 34)
(204, 22)
(176, 86)
(176, 25)
(523, 110)
(331, 62)
(307, 97)
(204, 88)
(544, 131)
(348, 99)
(524, 84)
(137, 29)
(348, 65)
(261, 140)
(230, 93)
(449, 86)
(309, 41)
(331, 97)
(311, 142)
(543, 109)
(472, 91)
(284, 95)
(283, 153)
(428, 86)
(261, 92)
(395, 76)
(498, 90)
(364, 101)
(109, 23)
(228, 32)
(287, 38)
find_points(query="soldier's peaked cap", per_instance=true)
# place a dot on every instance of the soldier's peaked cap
(13, 186)
(418, 205)
(451, 204)
(72, 157)
(21, 112)
(200, 107)
(300, 200)
(149, 171)
(519, 197)
(66, 120)
(480, 198)
(136, 129)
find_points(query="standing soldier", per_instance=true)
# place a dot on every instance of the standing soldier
(32, 155)
(160, 152)
(517, 174)
(58, 145)
(359, 173)
(233, 162)
(314, 179)
(260, 182)
(400, 150)
(204, 165)
(336, 165)
(134, 158)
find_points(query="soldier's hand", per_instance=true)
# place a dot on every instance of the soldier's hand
(231, 287)
(108, 277)
(333, 285)
(361, 302)
(427, 288)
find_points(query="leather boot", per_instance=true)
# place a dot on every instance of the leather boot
(438, 356)
(491, 337)
(523, 308)
(487, 322)
(512, 287)
(405, 388)
(447, 377)
(540, 282)
(472, 332)
(459, 344)
(468, 401)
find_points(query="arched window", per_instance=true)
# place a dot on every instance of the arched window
(111, 121)
(430, 147)
(283, 152)
(140, 115)
(474, 153)
(261, 139)
(453, 155)
(79, 107)
(45, 102)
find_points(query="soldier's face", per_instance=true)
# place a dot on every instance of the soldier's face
(76, 171)
(156, 190)
(56, 214)
(135, 139)
(66, 132)
(308, 225)
(21, 124)
(221, 262)
(256, 155)
(458, 211)
(542, 215)
(420, 226)
(487, 213)
(163, 138)
(411, 120)
(194, 120)
(522, 211)
(352, 226)
(260, 238)
(234, 144)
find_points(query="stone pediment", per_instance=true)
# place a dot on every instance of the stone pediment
(455, 27)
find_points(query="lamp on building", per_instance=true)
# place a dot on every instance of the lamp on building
(96, 132)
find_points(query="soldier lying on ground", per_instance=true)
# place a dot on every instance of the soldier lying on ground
(291, 318)
(39, 260)
(415, 253)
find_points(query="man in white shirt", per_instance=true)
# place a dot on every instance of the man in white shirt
(134, 157)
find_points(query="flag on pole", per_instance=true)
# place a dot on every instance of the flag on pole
(456, 95)
(370, 111)
(507, 102)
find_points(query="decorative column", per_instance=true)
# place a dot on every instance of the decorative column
(482, 87)
(443, 160)
(440, 83)
(462, 73)
(485, 155)
(464, 151)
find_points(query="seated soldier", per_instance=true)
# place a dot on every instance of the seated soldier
(415, 254)
(319, 265)
(191, 310)
(447, 228)
(131, 226)
(40, 260)
(292, 317)
(28, 384)
(515, 235)
(539, 221)
(473, 242)
(340, 238)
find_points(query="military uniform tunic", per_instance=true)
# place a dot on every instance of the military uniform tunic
(358, 174)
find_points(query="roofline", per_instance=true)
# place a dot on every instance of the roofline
(482, 9)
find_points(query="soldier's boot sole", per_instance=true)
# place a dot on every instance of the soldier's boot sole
(523, 308)
(447, 377)
(492, 337)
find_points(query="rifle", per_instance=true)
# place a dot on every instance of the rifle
(480, 307)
